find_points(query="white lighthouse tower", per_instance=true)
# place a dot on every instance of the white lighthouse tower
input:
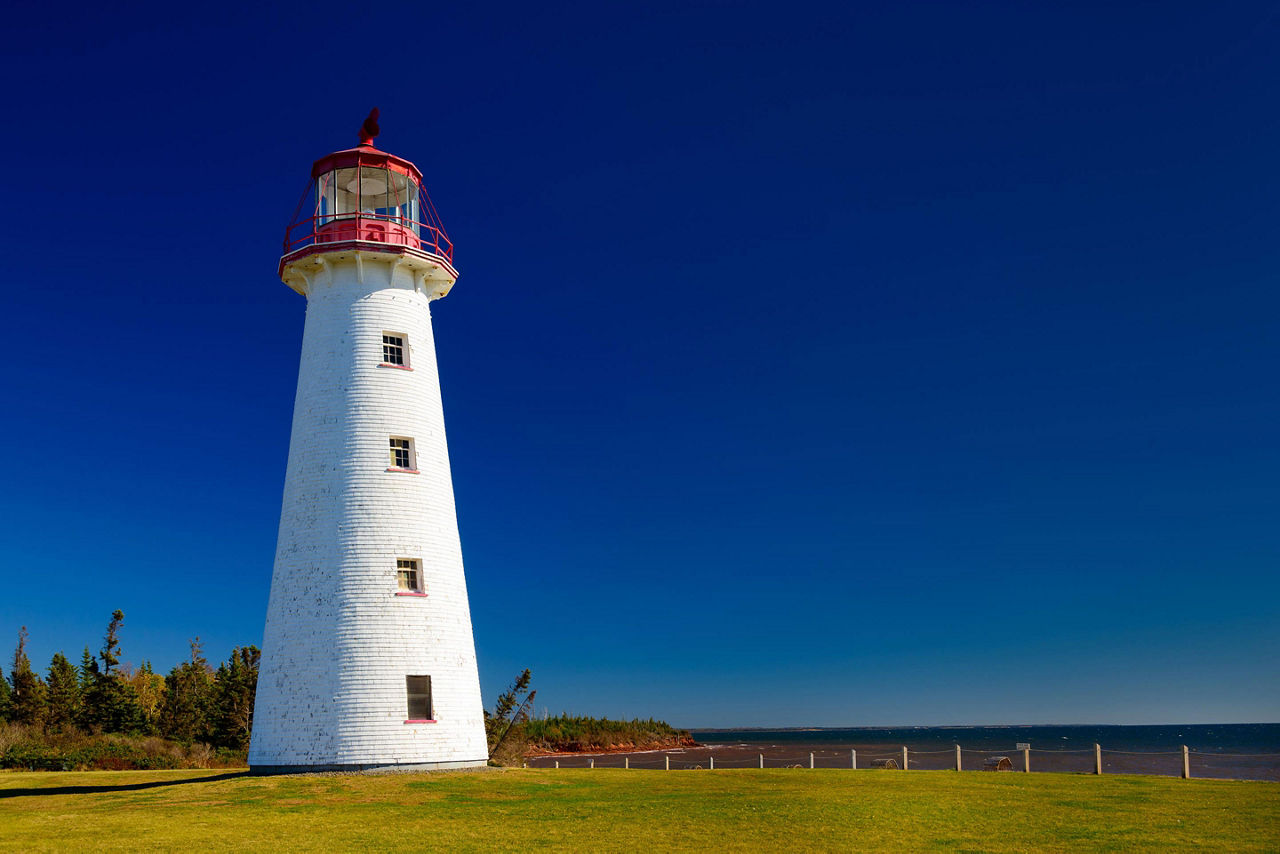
(368, 660)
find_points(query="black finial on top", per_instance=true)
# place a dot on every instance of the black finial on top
(369, 129)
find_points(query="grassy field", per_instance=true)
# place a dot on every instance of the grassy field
(777, 809)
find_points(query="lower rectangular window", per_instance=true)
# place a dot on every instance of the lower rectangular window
(418, 689)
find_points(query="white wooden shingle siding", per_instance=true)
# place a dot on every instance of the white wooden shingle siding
(339, 642)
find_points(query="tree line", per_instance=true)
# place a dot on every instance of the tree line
(193, 702)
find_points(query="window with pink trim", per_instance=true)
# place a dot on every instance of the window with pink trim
(418, 691)
(402, 455)
(408, 575)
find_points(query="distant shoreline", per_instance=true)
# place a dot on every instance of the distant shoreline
(535, 752)
(870, 727)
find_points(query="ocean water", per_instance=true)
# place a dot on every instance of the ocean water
(1232, 751)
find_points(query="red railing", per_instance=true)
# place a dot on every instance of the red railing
(426, 235)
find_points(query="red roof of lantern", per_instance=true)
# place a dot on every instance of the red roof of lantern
(365, 154)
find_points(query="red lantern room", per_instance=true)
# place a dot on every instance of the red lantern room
(369, 200)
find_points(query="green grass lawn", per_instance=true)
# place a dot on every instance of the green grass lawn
(775, 809)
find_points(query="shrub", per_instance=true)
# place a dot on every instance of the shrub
(29, 748)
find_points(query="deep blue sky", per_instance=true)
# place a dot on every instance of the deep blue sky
(900, 364)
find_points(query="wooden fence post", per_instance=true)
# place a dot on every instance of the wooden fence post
(957, 757)
(853, 759)
(1097, 758)
(1186, 763)
(1026, 759)
(668, 758)
(810, 761)
(904, 758)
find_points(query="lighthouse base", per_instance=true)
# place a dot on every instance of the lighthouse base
(393, 768)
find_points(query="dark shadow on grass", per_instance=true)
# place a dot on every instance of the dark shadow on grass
(127, 787)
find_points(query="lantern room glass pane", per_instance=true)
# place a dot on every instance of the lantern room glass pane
(375, 192)
(402, 199)
(324, 198)
(346, 192)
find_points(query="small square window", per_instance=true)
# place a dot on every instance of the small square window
(408, 576)
(394, 351)
(402, 453)
(418, 689)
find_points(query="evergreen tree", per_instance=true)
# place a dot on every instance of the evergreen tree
(88, 673)
(28, 702)
(63, 695)
(508, 714)
(5, 698)
(187, 712)
(88, 670)
(110, 703)
(110, 654)
(235, 684)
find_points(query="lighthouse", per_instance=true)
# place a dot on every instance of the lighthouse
(368, 660)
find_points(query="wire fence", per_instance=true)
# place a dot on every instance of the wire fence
(1184, 762)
